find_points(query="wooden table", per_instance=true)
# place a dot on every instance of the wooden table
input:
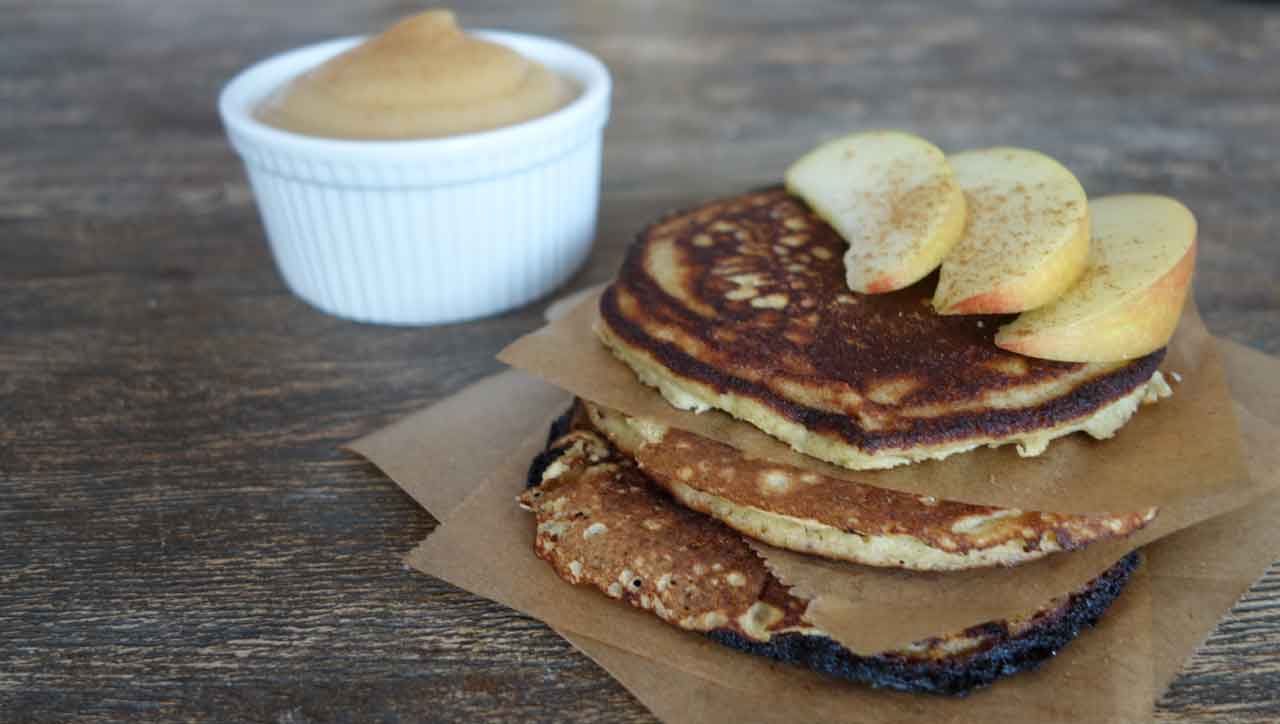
(180, 535)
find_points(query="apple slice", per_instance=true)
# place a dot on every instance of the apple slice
(1131, 295)
(1027, 238)
(892, 196)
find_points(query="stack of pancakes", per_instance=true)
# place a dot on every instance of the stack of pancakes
(740, 305)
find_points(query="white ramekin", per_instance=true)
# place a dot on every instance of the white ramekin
(433, 230)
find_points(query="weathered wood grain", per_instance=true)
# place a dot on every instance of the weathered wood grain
(180, 536)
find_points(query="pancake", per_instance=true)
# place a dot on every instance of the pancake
(601, 522)
(740, 305)
(808, 512)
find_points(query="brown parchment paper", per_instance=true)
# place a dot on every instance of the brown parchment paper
(443, 453)
(688, 682)
(485, 546)
(1179, 454)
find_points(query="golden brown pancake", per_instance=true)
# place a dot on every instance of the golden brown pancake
(601, 522)
(741, 305)
(808, 512)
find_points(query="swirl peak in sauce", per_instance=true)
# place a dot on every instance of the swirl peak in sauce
(421, 78)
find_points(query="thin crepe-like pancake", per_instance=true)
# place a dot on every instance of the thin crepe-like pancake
(601, 522)
(741, 305)
(808, 512)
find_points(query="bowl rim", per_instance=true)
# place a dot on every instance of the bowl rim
(240, 95)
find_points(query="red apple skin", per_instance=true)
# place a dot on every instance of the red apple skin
(1137, 327)
(883, 284)
(995, 302)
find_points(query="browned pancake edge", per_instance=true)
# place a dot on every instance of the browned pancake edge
(806, 511)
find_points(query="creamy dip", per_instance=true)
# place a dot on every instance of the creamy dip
(422, 78)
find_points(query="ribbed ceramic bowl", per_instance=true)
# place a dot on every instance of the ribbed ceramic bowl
(433, 230)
